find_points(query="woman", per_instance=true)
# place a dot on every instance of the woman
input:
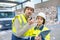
(39, 32)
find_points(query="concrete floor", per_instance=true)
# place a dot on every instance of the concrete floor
(55, 33)
(5, 35)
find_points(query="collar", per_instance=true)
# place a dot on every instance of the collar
(25, 16)
(39, 28)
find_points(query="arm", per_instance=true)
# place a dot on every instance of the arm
(45, 35)
(40, 38)
(21, 30)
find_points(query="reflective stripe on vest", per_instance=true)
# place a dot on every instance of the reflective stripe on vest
(21, 20)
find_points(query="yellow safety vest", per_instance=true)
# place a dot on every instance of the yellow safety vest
(31, 32)
(22, 21)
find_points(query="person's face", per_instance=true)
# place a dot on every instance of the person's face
(39, 20)
(28, 11)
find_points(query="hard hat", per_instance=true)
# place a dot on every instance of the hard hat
(42, 15)
(29, 4)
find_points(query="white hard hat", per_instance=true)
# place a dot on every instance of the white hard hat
(29, 4)
(42, 15)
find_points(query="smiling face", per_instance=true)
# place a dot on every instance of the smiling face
(28, 11)
(40, 20)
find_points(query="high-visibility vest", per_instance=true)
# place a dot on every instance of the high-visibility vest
(31, 32)
(22, 20)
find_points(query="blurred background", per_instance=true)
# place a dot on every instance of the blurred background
(11, 8)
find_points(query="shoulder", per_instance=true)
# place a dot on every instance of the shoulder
(18, 15)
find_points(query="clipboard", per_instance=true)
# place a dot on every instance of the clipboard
(43, 34)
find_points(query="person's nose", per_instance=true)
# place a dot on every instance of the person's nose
(29, 11)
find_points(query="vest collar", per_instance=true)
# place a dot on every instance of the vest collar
(39, 28)
(25, 16)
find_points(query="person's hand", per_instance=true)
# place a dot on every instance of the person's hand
(30, 21)
(38, 38)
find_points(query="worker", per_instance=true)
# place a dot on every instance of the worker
(40, 31)
(21, 22)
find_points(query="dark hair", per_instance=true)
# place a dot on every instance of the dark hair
(26, 8)
(43, 21)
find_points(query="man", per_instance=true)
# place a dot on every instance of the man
(21, 23)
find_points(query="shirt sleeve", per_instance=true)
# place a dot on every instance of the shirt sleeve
(21, 30)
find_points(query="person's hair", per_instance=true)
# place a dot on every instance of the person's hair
(26, 8)
(43, 21)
